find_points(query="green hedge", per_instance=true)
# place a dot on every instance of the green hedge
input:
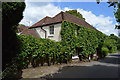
(37, 51)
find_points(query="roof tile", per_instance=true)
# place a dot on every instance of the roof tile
(26, 31)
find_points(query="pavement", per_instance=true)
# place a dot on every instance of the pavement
(108, 67)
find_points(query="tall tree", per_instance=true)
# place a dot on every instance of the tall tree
(117, 14)
(75, 13)
(12, 13)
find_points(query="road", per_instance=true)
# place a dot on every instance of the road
(104, 68)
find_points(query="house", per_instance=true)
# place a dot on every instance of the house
(50, 27)
(24, 30)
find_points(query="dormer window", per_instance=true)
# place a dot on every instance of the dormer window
(52, 29)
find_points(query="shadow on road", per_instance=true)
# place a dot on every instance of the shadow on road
(112, 59)
(95, 71)
(107, 69)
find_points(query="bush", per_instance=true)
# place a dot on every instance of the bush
(104, 51)
(36, 51)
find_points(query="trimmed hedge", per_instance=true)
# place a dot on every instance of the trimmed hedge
(37, 51)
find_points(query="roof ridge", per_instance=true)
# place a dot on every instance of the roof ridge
(48, 17)
(59, 18)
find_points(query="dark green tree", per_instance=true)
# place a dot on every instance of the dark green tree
(75, 13)
(117, 15)
(112, 36)
(12, 13)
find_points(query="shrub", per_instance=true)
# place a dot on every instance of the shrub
(104, 51)
(36, 51)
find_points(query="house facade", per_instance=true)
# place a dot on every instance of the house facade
(50, 27)
(50, 32)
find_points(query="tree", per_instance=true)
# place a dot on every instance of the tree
(112, 36)
(117, 15)
(12, 13)
(75, 13)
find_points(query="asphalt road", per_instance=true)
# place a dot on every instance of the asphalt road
(104, 68)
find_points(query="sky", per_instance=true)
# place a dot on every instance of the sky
(99, 16)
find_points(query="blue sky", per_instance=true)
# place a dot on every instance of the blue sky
(99, 15)
(97, 9)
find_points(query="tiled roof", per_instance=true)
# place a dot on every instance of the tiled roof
(59, 18)
(26, 31)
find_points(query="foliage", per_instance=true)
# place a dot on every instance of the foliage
(116, 40)
(89, 41)
(21, 25)
(110, 44)
(68, 35)
(79, 37)
(104, 51)
(12, 11)
(37, 51)
(117, 13)
(75, 13)
(11, 16)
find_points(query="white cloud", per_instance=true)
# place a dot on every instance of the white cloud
(35, 12)
(64, 0)
(101, 22)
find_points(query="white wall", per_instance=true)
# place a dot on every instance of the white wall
(40, 32)
(56, 36)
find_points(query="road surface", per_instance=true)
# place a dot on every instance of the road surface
(104, 68)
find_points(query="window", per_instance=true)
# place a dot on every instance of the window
(51, 29)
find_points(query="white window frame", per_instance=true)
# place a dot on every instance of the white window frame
(51, 29)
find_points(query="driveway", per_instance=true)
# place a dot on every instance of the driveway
(107, 67)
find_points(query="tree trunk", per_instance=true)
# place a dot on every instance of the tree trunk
(80, 57)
